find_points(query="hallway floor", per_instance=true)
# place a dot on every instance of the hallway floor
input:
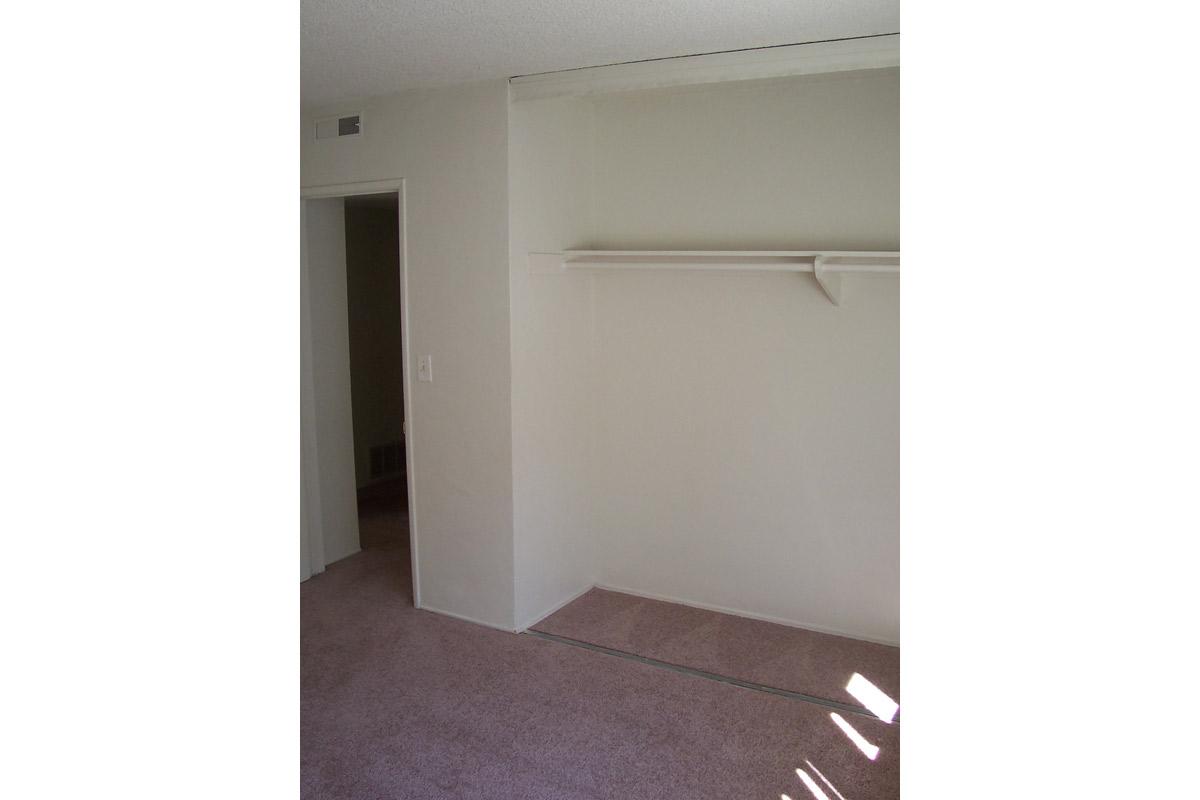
(383, 515)
(401, 703)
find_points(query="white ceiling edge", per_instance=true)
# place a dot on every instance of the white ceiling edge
(875, 52)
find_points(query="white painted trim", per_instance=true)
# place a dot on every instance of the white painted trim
(876, 52)
(397, 185)
(748, 615)
(310, 477)
(349, 189)
(554, 609)
(409, 427)
(465, 618)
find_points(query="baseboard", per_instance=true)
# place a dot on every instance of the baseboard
(357, 549)
(465, 618)
(555, 608)
(748, 615)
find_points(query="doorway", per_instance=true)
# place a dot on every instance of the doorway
(356, 453)
(376, 368)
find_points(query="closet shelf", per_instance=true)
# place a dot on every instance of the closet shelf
(827, 266)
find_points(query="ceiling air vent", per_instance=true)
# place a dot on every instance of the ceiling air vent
(334, 127)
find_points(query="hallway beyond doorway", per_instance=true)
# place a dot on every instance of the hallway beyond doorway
(383, 515)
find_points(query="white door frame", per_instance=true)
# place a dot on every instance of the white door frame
(349, 190)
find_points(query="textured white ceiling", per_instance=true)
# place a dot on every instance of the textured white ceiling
(359, 48)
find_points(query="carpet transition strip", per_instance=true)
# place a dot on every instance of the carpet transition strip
(699, 673)
(791, 660)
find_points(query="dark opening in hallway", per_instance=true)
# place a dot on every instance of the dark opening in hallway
(383, 515)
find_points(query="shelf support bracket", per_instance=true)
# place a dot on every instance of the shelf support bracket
(830, 282)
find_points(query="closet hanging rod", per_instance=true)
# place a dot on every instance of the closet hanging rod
(736, 253)
(827, 266)
(752, 260)
(739, 266)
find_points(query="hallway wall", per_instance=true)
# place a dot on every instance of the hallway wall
(332, 419)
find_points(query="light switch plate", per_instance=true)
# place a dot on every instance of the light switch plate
(425, 369)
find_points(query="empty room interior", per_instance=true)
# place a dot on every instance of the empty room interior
(600, 387)
(619, 462)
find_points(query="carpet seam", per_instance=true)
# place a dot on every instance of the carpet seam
(712, 676)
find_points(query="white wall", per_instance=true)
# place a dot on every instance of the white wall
(718, 439)
(741, 444)
(789, 163)
(747, 446)
(746, 429)
(325, 270)
(451, 147)
(550, 145)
